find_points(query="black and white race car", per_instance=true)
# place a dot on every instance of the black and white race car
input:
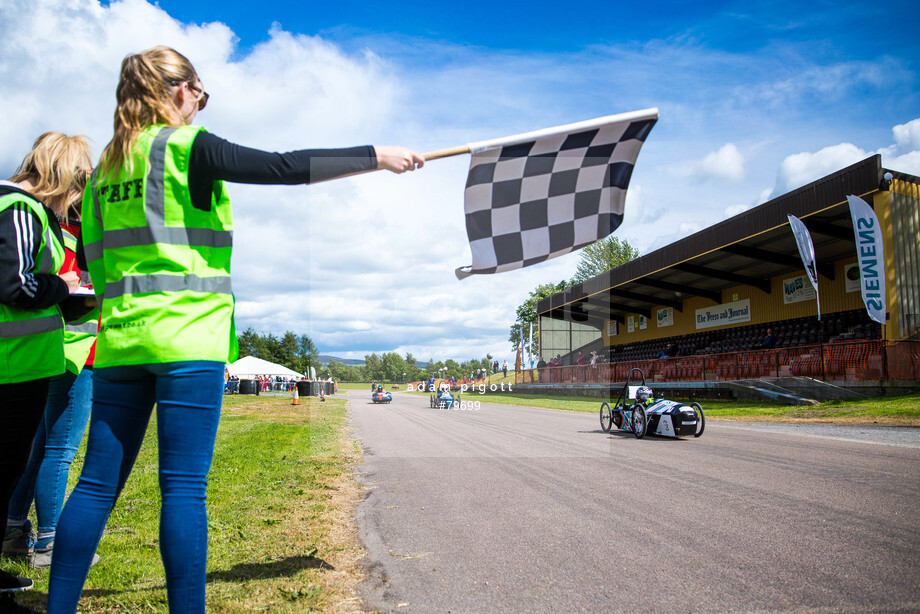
(674, 419)
(636, 411)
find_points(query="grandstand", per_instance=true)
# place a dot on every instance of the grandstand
(715, 293)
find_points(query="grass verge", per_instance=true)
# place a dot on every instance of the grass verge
(280, 504)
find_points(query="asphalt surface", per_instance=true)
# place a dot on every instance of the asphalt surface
(514, 509)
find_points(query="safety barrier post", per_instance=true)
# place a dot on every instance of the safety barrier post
(824, 361)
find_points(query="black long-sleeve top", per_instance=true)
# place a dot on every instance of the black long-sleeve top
(20, 237)
(214, 158)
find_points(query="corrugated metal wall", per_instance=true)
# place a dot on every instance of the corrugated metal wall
(560, 337)
(905, 219)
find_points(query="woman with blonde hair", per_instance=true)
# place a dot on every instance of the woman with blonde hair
(67, 409)
(51, 177)
(158, 235)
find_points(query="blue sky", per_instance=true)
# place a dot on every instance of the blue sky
(755, 99)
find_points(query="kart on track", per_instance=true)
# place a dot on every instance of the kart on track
(636, 411)
(381, 396)
(443, 399)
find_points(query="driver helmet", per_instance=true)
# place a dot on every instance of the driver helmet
(643, 394)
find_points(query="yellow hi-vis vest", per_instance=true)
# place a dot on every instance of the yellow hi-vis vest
(32, 340)
(160, 267)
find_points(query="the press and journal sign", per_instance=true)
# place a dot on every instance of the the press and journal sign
(735, 312)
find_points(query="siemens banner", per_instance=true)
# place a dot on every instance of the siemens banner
(870, 251)
(725, 314)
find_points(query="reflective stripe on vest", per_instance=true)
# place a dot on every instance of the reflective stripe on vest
(88, 328)
(147, 235)
(142, 284)
(32, 326)
(70, 241)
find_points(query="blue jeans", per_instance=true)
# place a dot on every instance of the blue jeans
(70, 398)
(188, 397)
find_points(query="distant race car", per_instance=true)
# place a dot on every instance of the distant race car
(381, 396)
(444, 399)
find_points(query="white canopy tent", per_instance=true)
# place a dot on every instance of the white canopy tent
(249, 367)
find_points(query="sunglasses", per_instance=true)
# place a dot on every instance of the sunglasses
(203, 96)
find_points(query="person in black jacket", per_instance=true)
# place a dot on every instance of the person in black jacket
(769, 341)
(50, 178)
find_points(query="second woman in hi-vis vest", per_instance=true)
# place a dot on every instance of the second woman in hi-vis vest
(32, 291)
(66, 414)
(157, 234)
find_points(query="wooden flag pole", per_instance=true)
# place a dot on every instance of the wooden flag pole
(447, 153)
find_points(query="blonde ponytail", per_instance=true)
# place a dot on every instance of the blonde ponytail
(143, 99)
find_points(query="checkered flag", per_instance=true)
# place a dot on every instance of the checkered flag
(536, 196)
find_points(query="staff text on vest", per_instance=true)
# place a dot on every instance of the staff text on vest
(117, 192)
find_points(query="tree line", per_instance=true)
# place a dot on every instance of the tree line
(391, 367)
(299, 353)
(296, 352)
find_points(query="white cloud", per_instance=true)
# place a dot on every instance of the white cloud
(802, 168)
(726, 164)
(904, 154)
(907, 136)
(734, 210)
(764, 196)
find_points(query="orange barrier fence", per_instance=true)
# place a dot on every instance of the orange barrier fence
(839, 361)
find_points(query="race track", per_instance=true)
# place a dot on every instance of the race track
(514, 509)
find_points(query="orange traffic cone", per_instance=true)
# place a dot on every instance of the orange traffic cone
(322, 395)
(296, 397)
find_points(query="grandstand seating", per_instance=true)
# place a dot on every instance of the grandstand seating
(843, 346)
(840, 326)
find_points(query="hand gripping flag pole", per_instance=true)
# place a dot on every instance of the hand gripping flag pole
(538, 195)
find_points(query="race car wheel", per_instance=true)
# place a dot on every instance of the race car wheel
(638, 420)
(606, 417)
(700, 419)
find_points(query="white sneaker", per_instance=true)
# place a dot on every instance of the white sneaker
(13, 584)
